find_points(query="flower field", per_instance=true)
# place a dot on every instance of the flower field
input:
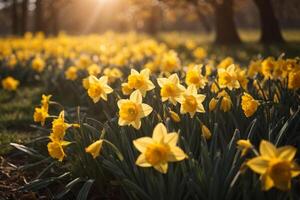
(131, 116)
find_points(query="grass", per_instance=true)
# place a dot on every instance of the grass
(16, 110)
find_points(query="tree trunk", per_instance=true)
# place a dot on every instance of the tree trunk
(14, 15)
(24, 16)
(270, 31)
(226, 32)
(39, 17)
(54, 18)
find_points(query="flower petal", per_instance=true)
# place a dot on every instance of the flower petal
(267, 149)
(258, 164)
(146, 109)
(176, 154)
(266, 182)
(136, 97)
(142, 143)
(171, 139)
(141, 161)
(286, 153)
(162, 167)
(159, 132)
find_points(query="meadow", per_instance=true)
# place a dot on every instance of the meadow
(133, 116)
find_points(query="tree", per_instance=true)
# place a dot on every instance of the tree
(270, 30)
(39, 16)
(223, 10)
(24, 16)
(226, 31)
(14, 17)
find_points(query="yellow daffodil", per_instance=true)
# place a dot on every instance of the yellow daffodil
(126, 90)
(45, 101)
(170, 89)
(174, 116)
(140, 81)
(228, 78)
(225, 104)
(249, 104)
(98, 88)
(194, 77)
(94, 69)
(113, 74)
(94, 148)
(59, 127)
(132, 110)
(226, 62)
(244, 145)
(268, 65)
(38, 64)
(294, 80)
(170, 62)
(56, 149)
(40, 115)
(191, 102)
(212, 104)
(199, 53)
(159, 150)
(71, 73)
(10, 84)
(275, 165)
(205, 132)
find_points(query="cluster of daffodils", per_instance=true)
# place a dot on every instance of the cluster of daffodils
(160, 93)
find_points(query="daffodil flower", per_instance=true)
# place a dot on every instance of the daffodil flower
(140, 81)
(132, 110)
(191, 102)
(159, 150)
(98, 88)
(275, 165)
(170, 88)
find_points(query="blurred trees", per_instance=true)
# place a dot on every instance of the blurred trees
(270, 31)
(223, 11)
(149, 16)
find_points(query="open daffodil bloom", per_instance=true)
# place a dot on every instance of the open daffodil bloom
(98, 88)
(191, 102)
(132, 110)
(275, 165)
(159, 150)
(170, 88)
(140, 81)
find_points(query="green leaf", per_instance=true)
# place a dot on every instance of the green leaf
(84, 191)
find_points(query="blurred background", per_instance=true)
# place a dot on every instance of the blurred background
(224, 19)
